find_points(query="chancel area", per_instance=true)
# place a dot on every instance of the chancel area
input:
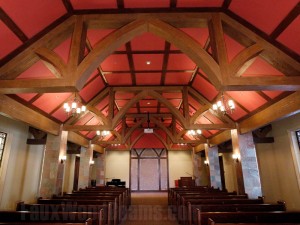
(188, 110)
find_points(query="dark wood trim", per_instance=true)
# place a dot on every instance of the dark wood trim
(68, 6)
(36, 141)
(226, 4)
(173, 3)
(120, 4)
(131, 63)
(165, 62)
(286, 21)
(12, 26)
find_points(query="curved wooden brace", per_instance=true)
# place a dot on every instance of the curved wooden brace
(199, 112)
(172, 109)
(242, 61)
(162, 140)
(55, 60)
(136, 140)
(133, 129)
(124, 109)
(119, 137)
(173, 35)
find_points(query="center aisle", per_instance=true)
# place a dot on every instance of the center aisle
(149, 208)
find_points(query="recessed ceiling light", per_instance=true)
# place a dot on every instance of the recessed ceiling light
(148, 62)
(148, 103)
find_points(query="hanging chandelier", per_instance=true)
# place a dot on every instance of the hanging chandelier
(224, 106)
(102, 134)
(74, 107)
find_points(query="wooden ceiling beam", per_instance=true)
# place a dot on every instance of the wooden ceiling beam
(283, 108)
(220, 138)
(24, 114)
(77, 139)
(86, 127)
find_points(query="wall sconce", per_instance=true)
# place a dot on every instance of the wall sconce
(63, 159)
(236, 157)
(92, 162)
(206, 162)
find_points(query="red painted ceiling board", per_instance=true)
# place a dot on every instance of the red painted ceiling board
(178, 78)
(194, 103)
(213, 118)
(249, 99)
(94, 4)
(123, 95)
(175, 102)
(121, 103)
(148, 141)
(38, 70)
(237, 114)
(63, 50)
(147, 41)
(96, 35)
(148, 78)
(89, 91)
(291, 36)
(117, 79)
(84, 132)
(272, 94)
(199, 34)
(84, 119)
(199, 3)
(180, 62)
(26, 96)
(115, 63)
(148, 110)
(147, 3)
(164, 110)
(91, 135)
(191, 111)
(60, 114)
(9, 38)
(266, 14)
(132, 110)
(49, 101)
(172, 95)
(260, 67)
(148, 103)
(105, 111)
(103, 103)
(205, 88)
(34, 15)
(140, 61)
(93, 75)
(232, 47)
(206, 133)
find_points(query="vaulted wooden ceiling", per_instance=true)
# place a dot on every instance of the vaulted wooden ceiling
(169, 59)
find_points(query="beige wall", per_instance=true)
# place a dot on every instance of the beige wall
(229, 172)
(277, 169)
(117, 165)
(69, 173)
(20, 173)
(180, 165)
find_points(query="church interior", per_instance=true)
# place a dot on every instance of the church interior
(149, 97)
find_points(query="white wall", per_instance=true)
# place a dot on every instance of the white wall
(180, 165)
(278, 173)
(117, 165)
(20, 173)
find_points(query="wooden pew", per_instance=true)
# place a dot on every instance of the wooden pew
(246, 217)
(211, 222)
(17, 217)
(107, 211)
(83, 202)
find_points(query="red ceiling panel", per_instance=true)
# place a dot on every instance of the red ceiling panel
(272, 94)
(265, 15)
(89, 91)
(93, 75)
(191, 110)
(212, 118)
(141, 61)
(180, 62)
(91, 135)
(206, 133)
(115, 63)
(123, 95)
(63, 50)
(164, 110)
(238, 113)
(94, 4)
(146, 3)
(8, 39)
(27, 96)
(178, 78)
(199, 3)
(194, 103)
(34, 15)
(148, 110)
(37, 70)
(232, 47)
(261, 67)
(172, 95)
(49, 101)
(121, 103)
(199, 34)
(102, 104)
(204, 87)
(148, 141)
(105, 111)
(175, 102)
(96, 35)
(118, 79)
(291, 36)
(147, 41)
(84, 119)
(60, 114)
(132, 110)
(249, 99)
(84, 132)
(148, 103)
(148, 78)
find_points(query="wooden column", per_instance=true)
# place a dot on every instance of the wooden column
(53, 169)
(248, 176)
(214, 166)
(86, 157)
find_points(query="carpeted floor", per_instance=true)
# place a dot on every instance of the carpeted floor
(150, 208)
